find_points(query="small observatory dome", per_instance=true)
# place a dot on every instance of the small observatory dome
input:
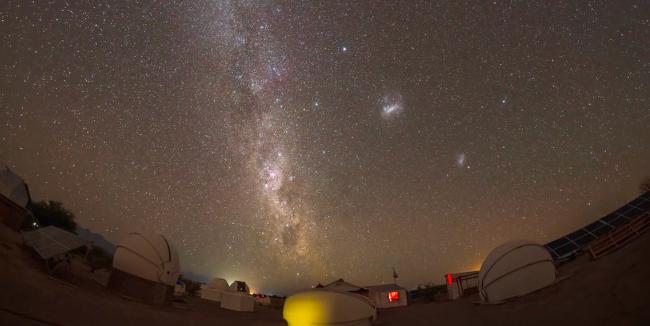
(323, 307)
(514, 269)
(148, 256)
(218, 284)
(214, 290)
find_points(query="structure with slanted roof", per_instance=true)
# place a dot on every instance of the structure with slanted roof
(14, 199)
(387, 295)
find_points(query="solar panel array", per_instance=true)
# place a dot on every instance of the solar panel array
(51, 241)
(570, 244)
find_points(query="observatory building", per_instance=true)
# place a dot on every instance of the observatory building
(145, 267)
(238, 297)
(234, 297)
(461, 284)
(240, 286)
(213, 290)
(14, 198)
(381, 296)
(514, 269)
(387, 295)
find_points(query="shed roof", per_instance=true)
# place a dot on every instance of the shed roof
(343, 286)
(384, 287)
(51, 241)
(13, 187)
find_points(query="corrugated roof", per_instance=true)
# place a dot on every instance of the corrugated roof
(384, 287)
(13, 187)
(51, 241)
(343, 286)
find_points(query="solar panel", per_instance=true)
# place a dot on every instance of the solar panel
(598, 228)
(51, 241)
(558, 243)
(616, 219)
(572, 243)
(644, 206)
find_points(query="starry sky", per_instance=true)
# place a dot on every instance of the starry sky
(286, 143)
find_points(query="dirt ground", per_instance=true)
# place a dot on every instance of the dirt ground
(613, 290)
(610, 291)
(29, 296)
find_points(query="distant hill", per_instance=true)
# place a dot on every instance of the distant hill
(97, 239)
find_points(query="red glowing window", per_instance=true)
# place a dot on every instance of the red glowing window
(449, 279)
(393, 296)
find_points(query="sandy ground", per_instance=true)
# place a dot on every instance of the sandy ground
(613, 290)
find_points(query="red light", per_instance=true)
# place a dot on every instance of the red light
(449, 279)
(393, 296)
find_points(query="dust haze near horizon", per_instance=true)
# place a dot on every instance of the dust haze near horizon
(290, 143)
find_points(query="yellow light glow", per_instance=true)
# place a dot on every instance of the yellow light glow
(321, 307)
(304, 310)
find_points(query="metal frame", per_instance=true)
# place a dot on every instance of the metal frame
(55, 245)
(575, 242)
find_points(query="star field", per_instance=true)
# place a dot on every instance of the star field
(286, 143)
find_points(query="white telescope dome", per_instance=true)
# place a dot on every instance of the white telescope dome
(514, 269)
(148, 256)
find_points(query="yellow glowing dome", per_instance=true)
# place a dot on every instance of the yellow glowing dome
(323, 307)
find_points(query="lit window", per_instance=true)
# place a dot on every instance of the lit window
(393, 296)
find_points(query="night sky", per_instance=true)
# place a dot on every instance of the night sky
(290, 143)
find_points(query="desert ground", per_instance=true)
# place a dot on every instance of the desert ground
(612, 290)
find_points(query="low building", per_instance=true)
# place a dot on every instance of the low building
(341, 285)
(237, 301)
(263, 300)
(240, 286)
(387, 295)
(213, 290)
(179, 289)
(146, 268)
(461, 284)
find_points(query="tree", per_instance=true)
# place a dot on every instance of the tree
(645, 184)
(53, 213)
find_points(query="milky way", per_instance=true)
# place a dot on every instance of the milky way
(291, 143)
